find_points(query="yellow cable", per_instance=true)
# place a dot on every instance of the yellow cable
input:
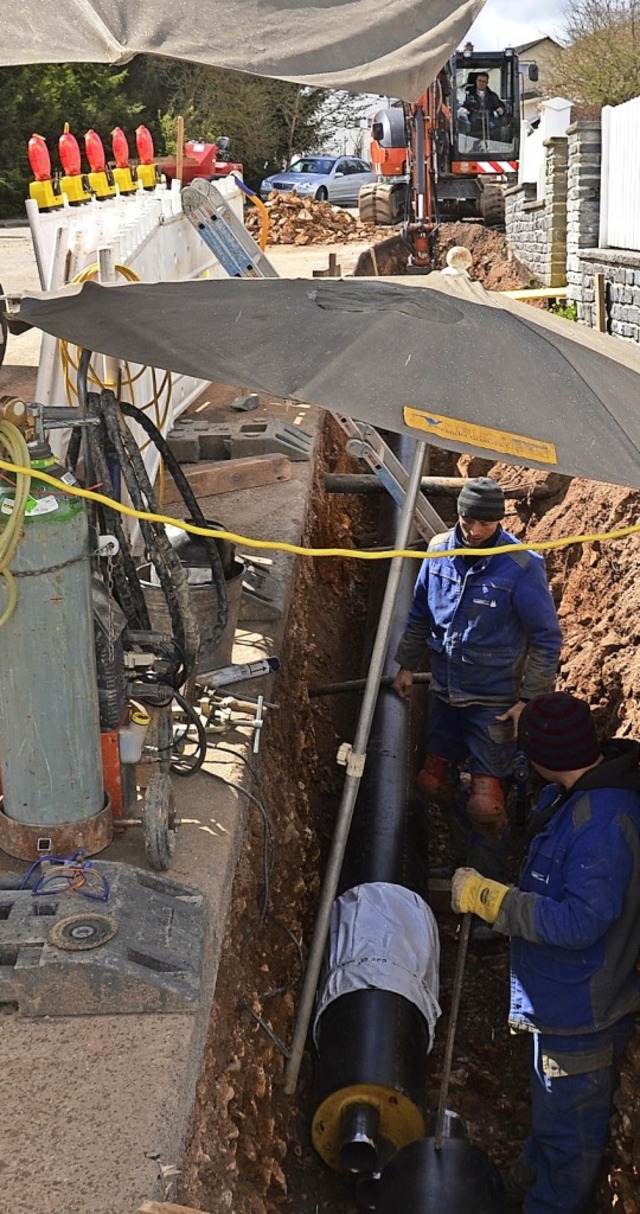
(299, 550)
(13, 439)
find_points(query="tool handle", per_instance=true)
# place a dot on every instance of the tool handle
(451, 1031)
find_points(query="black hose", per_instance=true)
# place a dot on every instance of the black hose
(171, 573)
(193, 506)
(191, 766)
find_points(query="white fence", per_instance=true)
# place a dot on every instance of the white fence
(620, 176)
(143, 236)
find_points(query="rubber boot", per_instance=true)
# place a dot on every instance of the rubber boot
(486, 805)
(437, 780)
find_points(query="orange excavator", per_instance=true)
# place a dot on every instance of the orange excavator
(450, 154)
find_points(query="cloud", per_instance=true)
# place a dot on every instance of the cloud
(497, 27)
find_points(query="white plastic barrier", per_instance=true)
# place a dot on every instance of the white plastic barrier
(143, 235)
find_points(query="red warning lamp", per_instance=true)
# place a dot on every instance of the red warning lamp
(69, 151)
(144, 144)
(39, 158)
(94, 149)
(120, 147)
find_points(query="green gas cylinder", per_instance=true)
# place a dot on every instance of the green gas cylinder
(49, 719)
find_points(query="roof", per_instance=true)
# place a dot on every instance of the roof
(527, 46)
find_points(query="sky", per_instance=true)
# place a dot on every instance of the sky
(506, 23)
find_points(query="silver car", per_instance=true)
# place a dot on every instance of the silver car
(336, 178)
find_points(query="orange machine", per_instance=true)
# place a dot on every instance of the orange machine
(449, 154)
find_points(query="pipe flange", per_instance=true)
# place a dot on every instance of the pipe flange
(78, 933)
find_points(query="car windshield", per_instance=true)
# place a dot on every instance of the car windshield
(311, 164)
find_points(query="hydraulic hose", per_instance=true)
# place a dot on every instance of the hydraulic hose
(193, 506)
(171, 573)
(14, 441)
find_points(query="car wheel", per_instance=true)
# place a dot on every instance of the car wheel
(322, 194)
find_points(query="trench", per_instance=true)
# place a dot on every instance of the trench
(250, 1150)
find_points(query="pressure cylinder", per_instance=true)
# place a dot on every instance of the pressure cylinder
(49, 721)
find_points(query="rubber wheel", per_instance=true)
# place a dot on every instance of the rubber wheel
(492, 206)
(159, 821)
(322, 194)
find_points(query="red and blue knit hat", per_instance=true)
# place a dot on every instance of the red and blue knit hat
(557, 731)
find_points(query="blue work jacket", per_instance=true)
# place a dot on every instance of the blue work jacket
(574, 918)
(491, 624)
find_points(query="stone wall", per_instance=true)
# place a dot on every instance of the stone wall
(537, 227)
(620, 269)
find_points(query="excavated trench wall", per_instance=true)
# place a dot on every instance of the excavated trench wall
(250, 1148)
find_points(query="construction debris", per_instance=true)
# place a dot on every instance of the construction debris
(303, 221)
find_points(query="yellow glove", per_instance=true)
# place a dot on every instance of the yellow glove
(470, 891)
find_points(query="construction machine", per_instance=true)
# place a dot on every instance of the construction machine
(449, 154)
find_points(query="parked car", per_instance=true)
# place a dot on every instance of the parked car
(336, 178)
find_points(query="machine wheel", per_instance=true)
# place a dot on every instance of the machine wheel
(492, 206)
(4, 333)
(322, 194)
(159, 821)
(381, 205)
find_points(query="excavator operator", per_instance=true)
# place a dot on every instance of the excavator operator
(492, 630)
(481, 111)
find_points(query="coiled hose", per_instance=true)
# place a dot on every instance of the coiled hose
(14, 442)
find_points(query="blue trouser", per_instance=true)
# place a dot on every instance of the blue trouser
(572, 1080)
(471, 734)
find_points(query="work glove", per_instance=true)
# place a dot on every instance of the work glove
(470, 891)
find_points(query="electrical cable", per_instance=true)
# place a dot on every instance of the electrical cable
(352, 554)
(192, 765)
(13, 440)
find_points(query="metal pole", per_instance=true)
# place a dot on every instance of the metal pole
(355, 767)
(451, 1032)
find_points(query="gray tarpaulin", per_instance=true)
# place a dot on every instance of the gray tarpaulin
(382, 937)
(435, 357)
(368, 46)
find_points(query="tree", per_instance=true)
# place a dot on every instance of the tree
(266, 120)
(600, 61)
(41, 100)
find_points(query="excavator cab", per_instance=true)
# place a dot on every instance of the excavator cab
(485, 110)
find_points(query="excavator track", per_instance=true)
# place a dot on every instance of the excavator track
(491, 205)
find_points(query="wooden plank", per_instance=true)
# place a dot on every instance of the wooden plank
(537, 293)
(600, 301)
(166, 1207)
(224, 475)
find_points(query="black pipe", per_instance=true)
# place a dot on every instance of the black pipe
(373, 1044)
(334, 689)
(450, 486)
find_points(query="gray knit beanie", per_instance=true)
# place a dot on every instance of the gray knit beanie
(482, 499)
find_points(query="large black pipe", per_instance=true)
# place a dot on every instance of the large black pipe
(371, 1107)
(373, 1044)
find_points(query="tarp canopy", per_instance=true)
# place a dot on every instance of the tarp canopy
(368, 46)
(435, 356)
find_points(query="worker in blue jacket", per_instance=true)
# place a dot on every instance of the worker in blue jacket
(490, 625)
(574, 923)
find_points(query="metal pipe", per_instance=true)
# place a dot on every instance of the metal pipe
(334, 689)
(359, 1127)
(355, 767)
(451, 1031)
(363, 483)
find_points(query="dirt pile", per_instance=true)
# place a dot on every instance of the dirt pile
(304, 221)
(492, 264)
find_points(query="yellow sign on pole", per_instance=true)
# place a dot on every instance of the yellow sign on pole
(451, 429)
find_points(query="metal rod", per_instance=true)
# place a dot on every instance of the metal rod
(352, 780)
(334, 689)
(451, 1031)
(363, 483)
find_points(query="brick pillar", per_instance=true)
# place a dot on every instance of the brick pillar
(556, 172)
(583, 211)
